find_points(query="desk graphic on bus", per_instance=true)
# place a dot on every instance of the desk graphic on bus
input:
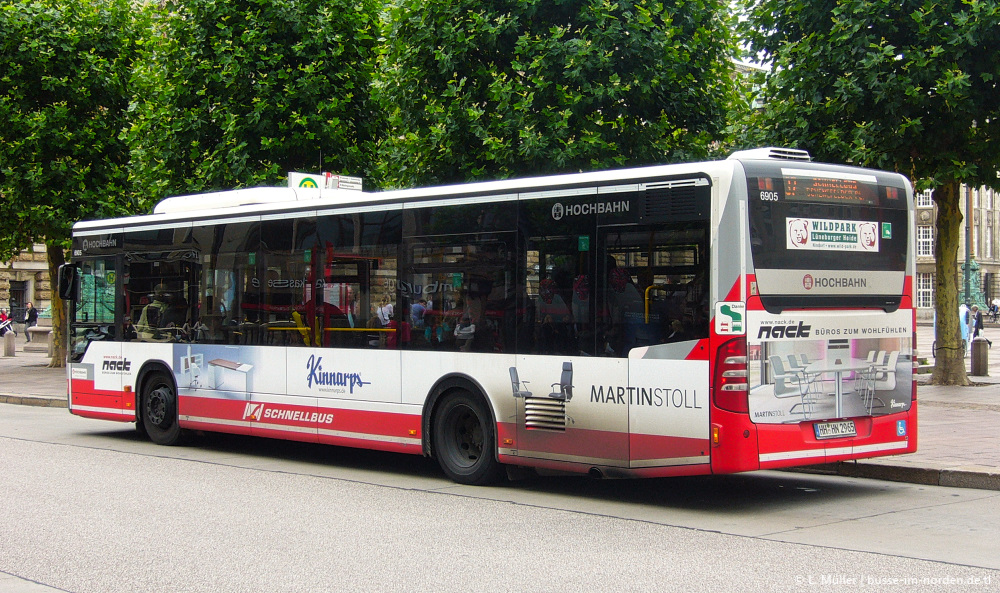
(810, 367)
(216, 373)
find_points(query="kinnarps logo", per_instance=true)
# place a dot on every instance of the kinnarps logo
(317, 376)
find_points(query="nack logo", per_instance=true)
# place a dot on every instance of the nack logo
(317, 376)
(120, 365)
(784, 331)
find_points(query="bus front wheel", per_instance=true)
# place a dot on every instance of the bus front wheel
(159, 410)
(464, 440)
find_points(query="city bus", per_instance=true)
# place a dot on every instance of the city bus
(700, 318)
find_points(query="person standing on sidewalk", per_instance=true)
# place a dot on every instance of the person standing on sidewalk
(977, 324)
(965, 322)
(30, 319)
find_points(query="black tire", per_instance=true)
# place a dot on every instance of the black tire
(464, 439)
(159, 409)
(140, 428)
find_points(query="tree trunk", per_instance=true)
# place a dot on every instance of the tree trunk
(949, 359)
(56, 258)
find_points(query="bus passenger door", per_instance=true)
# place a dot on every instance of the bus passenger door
(573, 404)
(654, 314)
(95, 347)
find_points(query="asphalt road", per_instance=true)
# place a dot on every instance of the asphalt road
(88, 506)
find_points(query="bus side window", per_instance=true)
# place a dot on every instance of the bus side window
(458, 293)
(654, 285)
(558, 291)
(352, 278)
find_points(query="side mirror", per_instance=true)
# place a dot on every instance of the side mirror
(69, 282)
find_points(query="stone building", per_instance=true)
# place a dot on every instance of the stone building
(978, 249)
(25, 279)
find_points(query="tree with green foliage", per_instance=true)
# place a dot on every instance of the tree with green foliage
(476, 90)
(909, 86)
(64, 96)
(235, 93)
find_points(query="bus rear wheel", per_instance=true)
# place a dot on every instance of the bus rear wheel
(159, 410)
(464, 440)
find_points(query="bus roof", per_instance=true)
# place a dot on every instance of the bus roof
(274, 200)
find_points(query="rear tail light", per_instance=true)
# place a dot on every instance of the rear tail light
(916, 364)
(729, 385)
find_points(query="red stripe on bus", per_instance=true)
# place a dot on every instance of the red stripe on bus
(651, 446)
(596, 444)
(103, 415)
(270, 417)
(85, 387)
(734, 290)
(82, 393)
(700, 351)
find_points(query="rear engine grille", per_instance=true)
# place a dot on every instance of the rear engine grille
(544, 413)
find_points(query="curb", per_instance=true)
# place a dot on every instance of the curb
(978, 477)
(34, 400)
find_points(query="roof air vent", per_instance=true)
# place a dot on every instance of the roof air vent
(783, 154)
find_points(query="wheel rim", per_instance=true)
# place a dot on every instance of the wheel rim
(467, 436)
(157, 406)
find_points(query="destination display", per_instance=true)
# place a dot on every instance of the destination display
(830, 187)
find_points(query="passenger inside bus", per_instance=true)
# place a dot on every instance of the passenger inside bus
(128, 330)
(150, 320)
(553, 316)
(625, 310)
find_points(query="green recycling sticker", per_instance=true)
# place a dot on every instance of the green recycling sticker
(730, 318)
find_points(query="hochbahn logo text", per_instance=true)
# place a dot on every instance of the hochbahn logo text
(809, 282)
(560, 210)
(100, 244)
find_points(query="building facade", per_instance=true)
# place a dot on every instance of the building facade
(977, 249)
(25, 279)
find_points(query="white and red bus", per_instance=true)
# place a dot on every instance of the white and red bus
(713, 317)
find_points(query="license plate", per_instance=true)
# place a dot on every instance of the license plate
(832, 430)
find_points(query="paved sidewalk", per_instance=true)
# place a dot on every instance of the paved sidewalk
(26, 379)
(958, 435)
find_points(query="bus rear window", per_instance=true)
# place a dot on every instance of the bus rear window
(826, 237)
